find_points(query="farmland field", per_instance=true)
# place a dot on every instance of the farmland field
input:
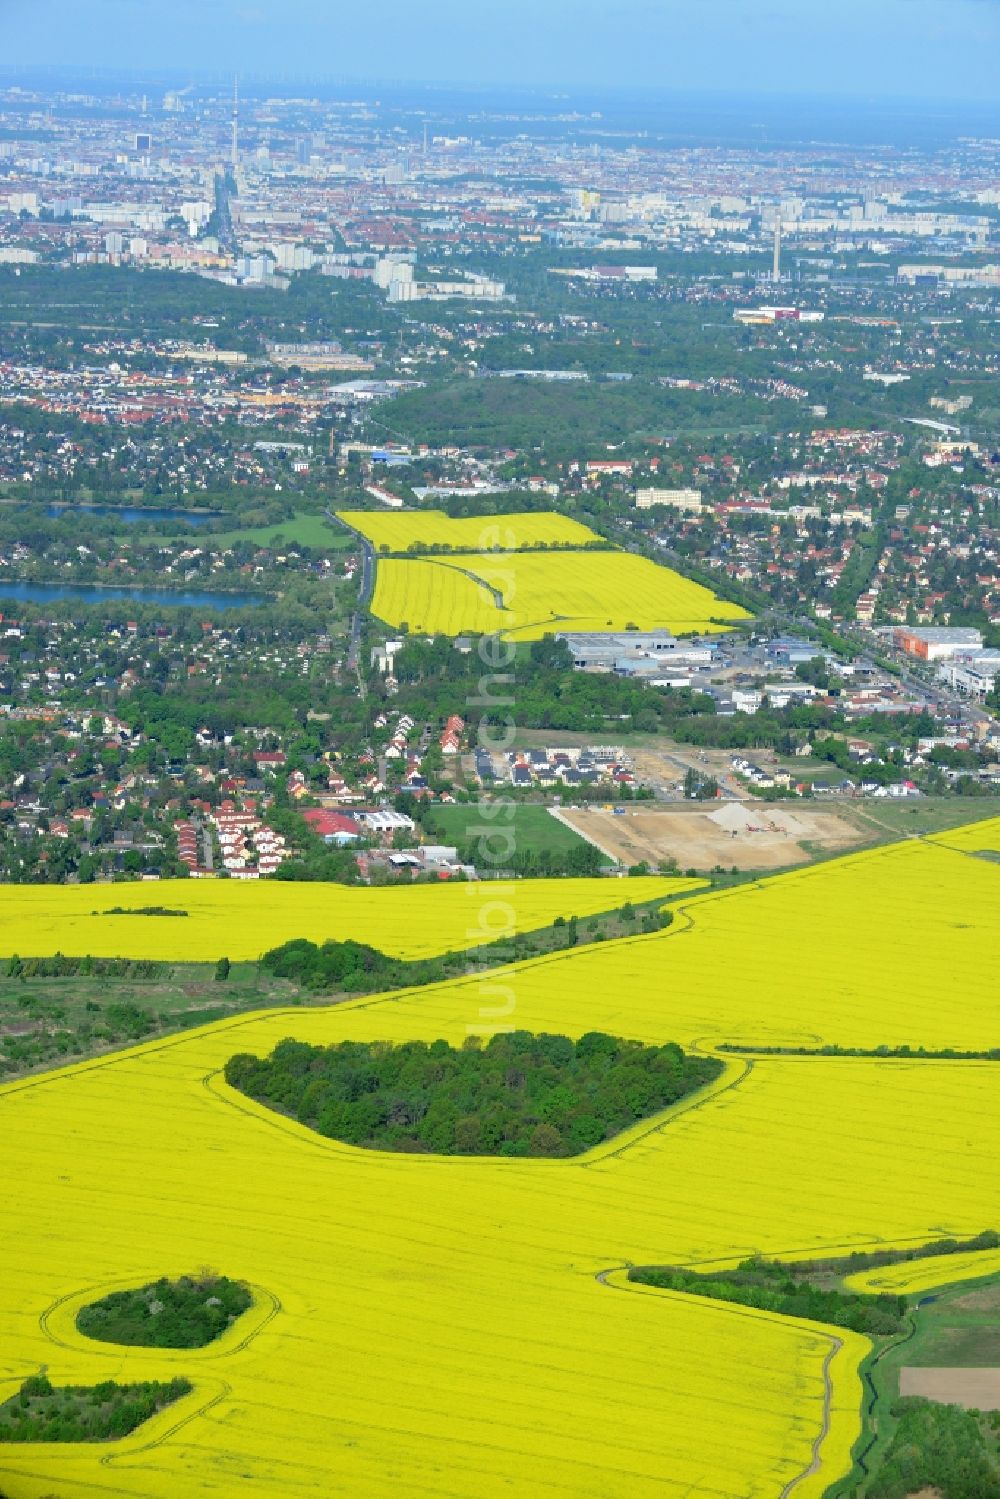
(927, 814)
(757, 964)
(483, 1341)
(955, 1340)
(977, 837)
(427, 599)
(954, 1386)
(918, 1276)
(303, 529)
(527, 595)
(400, 530)
(242, 920)
(532, 828)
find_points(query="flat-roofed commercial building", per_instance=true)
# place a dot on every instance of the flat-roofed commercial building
(973, 672)
(678, 499)
(609, 650)
(937, 642)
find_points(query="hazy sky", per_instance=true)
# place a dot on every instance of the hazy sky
(933, 49)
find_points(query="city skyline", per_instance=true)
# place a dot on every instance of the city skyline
(936, 50)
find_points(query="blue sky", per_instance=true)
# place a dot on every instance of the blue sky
(931, 49)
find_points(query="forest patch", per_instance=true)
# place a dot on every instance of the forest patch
(518, 1095)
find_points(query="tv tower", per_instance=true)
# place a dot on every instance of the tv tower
(776, 271)
(236, 124)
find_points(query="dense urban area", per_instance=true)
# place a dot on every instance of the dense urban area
(224, 319)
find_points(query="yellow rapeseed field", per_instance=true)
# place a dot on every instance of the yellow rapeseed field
(399, 530)
(526, 595)
(914, 1277)
(433, 600)
(860, 951)
(461, 1328)
(974, 837)
(242, 919)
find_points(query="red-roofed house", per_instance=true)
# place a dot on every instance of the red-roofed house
(336, 827)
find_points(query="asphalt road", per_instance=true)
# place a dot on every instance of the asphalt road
(365, 586)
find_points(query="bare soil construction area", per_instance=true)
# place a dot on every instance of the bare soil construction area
(976, 1389)
(749, 835)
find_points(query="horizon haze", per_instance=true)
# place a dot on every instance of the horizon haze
(935, 51)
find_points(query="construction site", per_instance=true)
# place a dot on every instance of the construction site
(733, 835)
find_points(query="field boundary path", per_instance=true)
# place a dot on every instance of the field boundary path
(604, 1278)
(559, 815)
(495, 594)
(836, 1345)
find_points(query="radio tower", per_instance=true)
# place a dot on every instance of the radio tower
(236, 124)
(776, 271)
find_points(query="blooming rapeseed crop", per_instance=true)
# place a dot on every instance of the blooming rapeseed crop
(401, 529)
(914, 1277)
(458, 1328)
(527, 595)
(244, 919)
(974, 837)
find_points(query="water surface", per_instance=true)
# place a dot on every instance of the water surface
(49, 593)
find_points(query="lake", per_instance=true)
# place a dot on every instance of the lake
(49, 593)
(131, 515)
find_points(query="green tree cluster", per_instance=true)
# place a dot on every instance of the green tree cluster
(541, 863)
(59, 967)
(773, 1287)
(350, 966)
(41, 1412)
(186, 1313)
(939, 1449)
(517, 1095)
